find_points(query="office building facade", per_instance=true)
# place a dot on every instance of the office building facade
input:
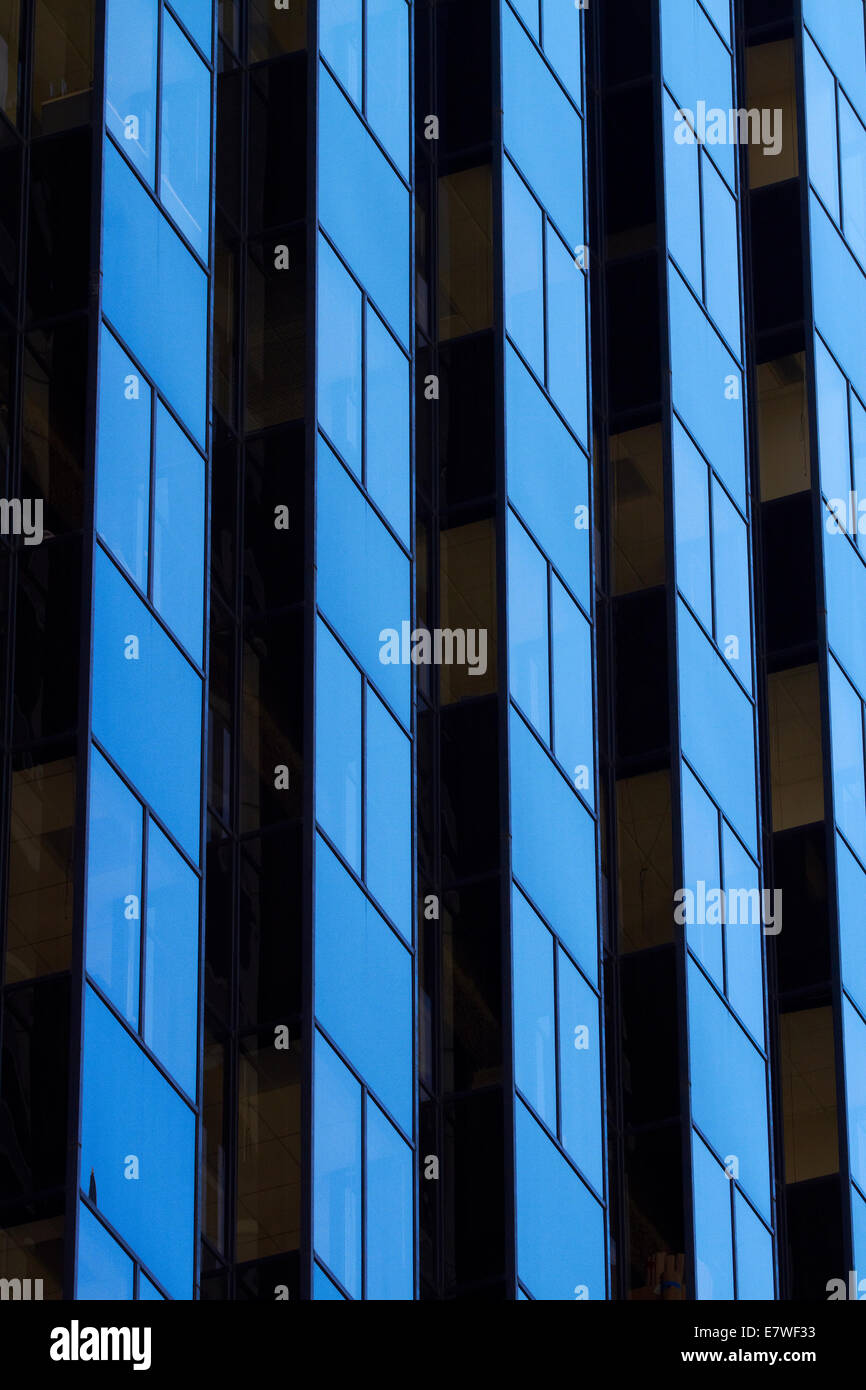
(432, 812)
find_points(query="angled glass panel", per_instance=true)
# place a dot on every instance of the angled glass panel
(692, 525)
(528, 644)
(339, 363)
(338, 746)
(572, 691)
(702, 908)
(197, 15)
(178, 533)
(104, 1270)
(743, 933)
(839, 297)
(147, 1291)
(858, 454)
(851, 887)
(388, 814)
(390, 1273)
(697, 68)
(324, 1289)
(388, 77)
(720, 13)
(580, 1071)
(528, 11)
(833, 436)
(754, 1245)
(846, 738)
(855, 1087)
(562, 42)
(123, 458)
(341, 42)
(114, 887)
(566, 334)
(838, 29)
(845, 581)
(852, 154)
(731, 566)
(130, 80)
(722, 257)
(534, 1010)
(171, 960)
(714, 1252)
(185, 136)
(682, 193)
(337, 1168)
(858, 1223)
(523, 249)
(821, 126)
(387, 423)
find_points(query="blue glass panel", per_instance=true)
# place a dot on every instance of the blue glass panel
(171, 960)
(553, 846)
(566, 334)
(833, 437)
(338, 356)
(851, 887)
(114, 887)
(341, 42)
(543, 132)
(580, 1072)
(572, 691)
(389, 815)
(324, 1289)
(717, 728)
(743, 953)
(560, 1228)
(839, 297)
(364, 207)
(838, 28)
(846, 732)
(707, 389)
(523, 252)
(388, 76)
(697, 68)
(562, 42)
(731, 565)
(858, 454)
(147, 707)
(178, 533)
(185, 131)
(352, 543)
(682, 195)
(123, 458)
(528, 647)
(148, 1292)
(720, 13)
(845, 579)
(534, 1018)
(702, 911)
(852, 149)
(553, 500)
(130, 79)
(337, 1168)
(338, 746)
(821, 126)
(154, 293)
(729, 1097)
(528, 11)
(754, 1253)
(104, 1270)
(197, 15)
(129, 1112)
(858, 1222)
(388, 426)
(854, 1030)
(722, 256)
(389, 1208)
(714, 1253)
(692, 525)
(363, 986)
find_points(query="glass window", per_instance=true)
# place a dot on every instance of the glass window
(846, 725)
(363, 986)
(796, 770)
(783, 427)
(465, 223)
(138, 1150)
(185, 135)
(580, 1071)
(178, 533)
(834, 449)
(852, 141)
(388, 77)
(154, 293)
(839, 297)
(560, 1228)
(858, 1220)
(821, 126)
(754, 1253)
(352, 542)
(851, 886)
(467, 598)
(639, 560)
(707, 389)
(553, 500)
(543, 132)
(528, 11)
(702, 877)
(697, 67)
(337, 1168)
(390, 1207)
(62, 65)
(197, 15)
(104, 1270)
(743, 934)
(534, 1017)
(41, 870)
(123, 458)
(722, 257)
(553, 846)
(341, 42)
(523, 249)
(572, 691)
(714, 1255)
(146, 704)
(808, 1084)
(387, 423)
(562, 42)
(858, 452)
(566, 334)
(845, 580)
(364, 207)
(338, 367)
(130, 80)
(692, 525)
(838, 28)
(855, 1085)
(114, 905)
(324, 1289)
(388, 806)
(731, 566)
(528, 640)
(338, 753)
(682, 196)
(148, 1292)
(720, 13)
(171, 960)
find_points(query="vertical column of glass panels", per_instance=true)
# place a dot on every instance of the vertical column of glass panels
(720, 902)
(141, 1014)
(559, 1122)
(834, 81)
(363, 1065)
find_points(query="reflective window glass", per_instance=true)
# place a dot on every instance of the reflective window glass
(185, 136)
(845, 580)
(721, 255)
(341, 42)
(528, 648)
(855, 1085)
(852, 150)
(387, 423)
(566, 334)
(534, 1018)
(338, 367)
(388, 808)
(324, 1289)
(838, 29)
(338, 752)
(821, 126)
(528, 11)
(337, 1168)
(731, 566)
(104, 1270)
(692, 525)
(171, 960)
(389, 1263)
(572, 691)
(388, 77)
(743, 934)
(148, 1292)
(846, 726)
(858, 1222)
(851, 887)
(562, 42)
(701, 906)
(130, 80)
(197, 15)
(720, 13)
(114, 905)
(714, 1255)
(754, 1253)
(858, 453)
(178, 533)
(682, 194)
(839, 297)
(580, 1071)
(833, 439)
(123, 458)
(697, 67)
(523, 251)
